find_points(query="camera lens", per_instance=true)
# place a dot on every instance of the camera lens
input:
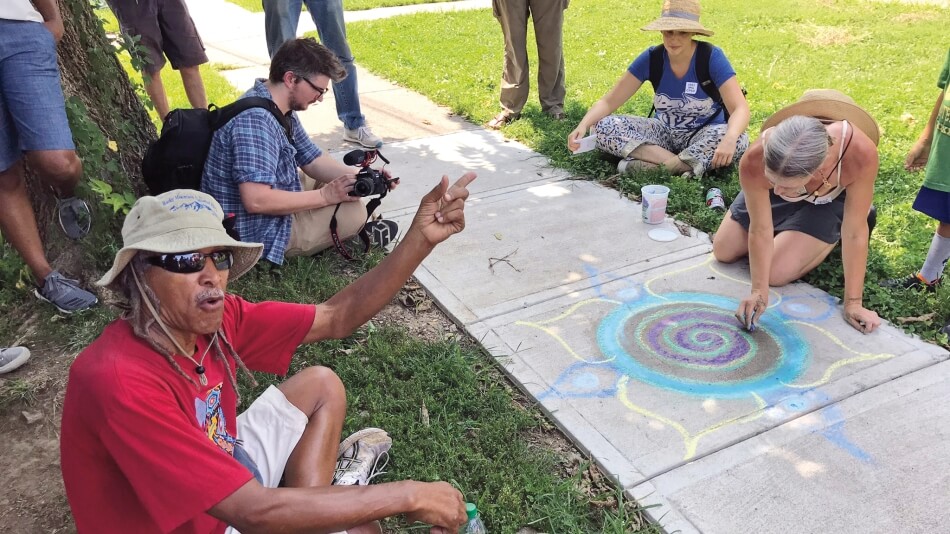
(363, 187)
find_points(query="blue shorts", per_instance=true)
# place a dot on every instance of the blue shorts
(32, 108)
(933, 203)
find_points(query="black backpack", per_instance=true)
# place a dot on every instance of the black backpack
(176, 160)
(703, 53)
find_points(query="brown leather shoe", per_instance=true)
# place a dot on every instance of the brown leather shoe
(556, 115)
(503, 119)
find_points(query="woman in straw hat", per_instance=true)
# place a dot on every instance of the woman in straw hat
(689, 134)
(807, 182)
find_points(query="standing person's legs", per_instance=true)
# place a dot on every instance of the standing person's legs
(184, 48)
(33, 122)
(513, 17)
(156, 93)
(194, 87)
(548, 17)
(280, 22)
(936, 205)
(938, 254)
(328, 18)
(18, 222)
(140, 18)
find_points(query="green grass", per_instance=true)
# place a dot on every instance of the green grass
(17, 391)
(885, 55)
(348, 5)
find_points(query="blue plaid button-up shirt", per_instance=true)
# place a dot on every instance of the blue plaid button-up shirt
(252, 147)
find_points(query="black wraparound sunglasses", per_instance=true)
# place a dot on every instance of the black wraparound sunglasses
(192, 262)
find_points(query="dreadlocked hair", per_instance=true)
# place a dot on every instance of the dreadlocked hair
(136, 312)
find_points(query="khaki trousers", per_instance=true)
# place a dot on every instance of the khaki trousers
(310, 230)
(548, 18)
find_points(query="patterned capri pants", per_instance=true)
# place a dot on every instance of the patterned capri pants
(620, 135)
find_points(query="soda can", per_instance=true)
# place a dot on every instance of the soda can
(714, 199)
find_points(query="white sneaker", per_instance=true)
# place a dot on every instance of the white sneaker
(362, 136)
(12, 358)
(362, 457)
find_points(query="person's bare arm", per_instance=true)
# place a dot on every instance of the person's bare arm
(625, 88)
(325, 169)
(440, 215)
(854, 238)
(739, 115)
(254, 508)
(262, 198)
(919, 153)
(52, 18)
(761, 236)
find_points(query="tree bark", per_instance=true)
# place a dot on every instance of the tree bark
(110, 128)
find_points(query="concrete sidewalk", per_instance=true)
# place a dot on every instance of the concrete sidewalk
(630, 345)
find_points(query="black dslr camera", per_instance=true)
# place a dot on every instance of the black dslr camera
(369, 181)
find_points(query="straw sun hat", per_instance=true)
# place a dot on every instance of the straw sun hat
(828, 104)
(678, 15)
(182, 220)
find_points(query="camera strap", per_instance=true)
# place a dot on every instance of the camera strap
(363, 234)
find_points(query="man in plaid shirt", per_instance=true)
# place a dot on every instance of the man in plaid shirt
(252, 168)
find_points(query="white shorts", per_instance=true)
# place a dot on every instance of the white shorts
(269, 430)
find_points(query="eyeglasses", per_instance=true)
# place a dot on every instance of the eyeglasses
(321, 90)
(193, 262)
(802, 190)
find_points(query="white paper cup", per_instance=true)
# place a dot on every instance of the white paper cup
(653, 202)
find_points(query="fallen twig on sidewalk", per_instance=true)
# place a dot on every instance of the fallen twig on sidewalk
(493, 261)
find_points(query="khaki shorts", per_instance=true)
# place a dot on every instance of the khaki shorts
(310, 230)
(269, 431)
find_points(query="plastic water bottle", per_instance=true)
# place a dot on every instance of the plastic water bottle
(474, 525)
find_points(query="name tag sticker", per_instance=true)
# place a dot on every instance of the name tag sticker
(691, 88)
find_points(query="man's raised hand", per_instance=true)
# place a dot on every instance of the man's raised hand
(442, 211)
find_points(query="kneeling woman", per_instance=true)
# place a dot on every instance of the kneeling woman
(807, 182)
(689, 134)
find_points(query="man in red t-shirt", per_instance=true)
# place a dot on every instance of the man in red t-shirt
(151, 441)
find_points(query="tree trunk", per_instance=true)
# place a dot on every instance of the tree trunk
(110, 128)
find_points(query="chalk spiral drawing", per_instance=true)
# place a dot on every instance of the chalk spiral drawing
(689, 343)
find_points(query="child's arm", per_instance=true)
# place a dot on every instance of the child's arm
(920, 152)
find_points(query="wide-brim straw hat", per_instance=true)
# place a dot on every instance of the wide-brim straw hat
(183, 220)
(828, 104)
(679, 15)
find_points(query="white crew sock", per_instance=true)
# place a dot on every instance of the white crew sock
(936, 258)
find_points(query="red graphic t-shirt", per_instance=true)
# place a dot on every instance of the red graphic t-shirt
(144, 450)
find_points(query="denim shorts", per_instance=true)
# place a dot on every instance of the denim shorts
(32, 108)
